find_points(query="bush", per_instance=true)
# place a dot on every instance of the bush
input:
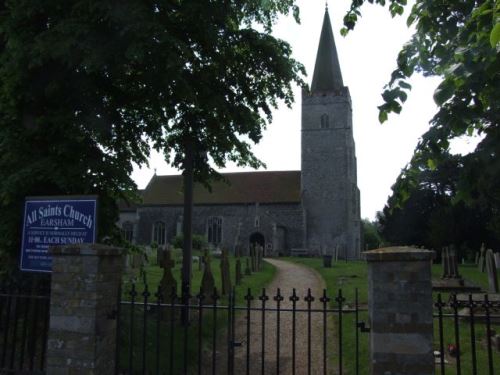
(199, 242)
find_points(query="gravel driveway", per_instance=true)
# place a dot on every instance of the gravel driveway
(288, 276)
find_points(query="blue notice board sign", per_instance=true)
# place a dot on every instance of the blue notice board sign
(52, 221)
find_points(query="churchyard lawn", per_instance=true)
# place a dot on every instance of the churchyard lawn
(353, 274)
(153, 274)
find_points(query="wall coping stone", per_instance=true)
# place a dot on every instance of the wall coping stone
(91, 249)
(398, 254)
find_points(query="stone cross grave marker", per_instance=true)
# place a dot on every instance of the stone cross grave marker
(492, 271)
(168, 283)
(207, 287)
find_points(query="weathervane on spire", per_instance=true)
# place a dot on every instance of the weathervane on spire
(326, 4)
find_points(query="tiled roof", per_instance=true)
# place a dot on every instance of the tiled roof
(243, 187)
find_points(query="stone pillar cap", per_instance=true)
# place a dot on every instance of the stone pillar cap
(398, 253)
(86, 249)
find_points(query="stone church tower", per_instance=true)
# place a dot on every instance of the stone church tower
(330, 196)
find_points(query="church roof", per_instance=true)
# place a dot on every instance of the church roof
(243, 187)
(327, 75)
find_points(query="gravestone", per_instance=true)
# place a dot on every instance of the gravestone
(248, 271)
(476, 260)
(207, 287)
(450, 263)
(482, 260)
(492, 271)
(497, 260)
(225, 273)
(168, 284)
(160, 251)
(238, 271)
(445, 260)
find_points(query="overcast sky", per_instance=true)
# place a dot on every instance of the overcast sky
(367, 57)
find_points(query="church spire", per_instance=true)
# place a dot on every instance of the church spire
(327, 75)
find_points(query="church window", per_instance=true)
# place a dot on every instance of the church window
(159, 233)
(257, 221)
(214, 230)
(325, 121)
(128, 231)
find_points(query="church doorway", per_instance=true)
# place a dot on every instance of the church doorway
(258, 239)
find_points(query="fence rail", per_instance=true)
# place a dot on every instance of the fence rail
(248, 334)
(465, 326)
(24, 319)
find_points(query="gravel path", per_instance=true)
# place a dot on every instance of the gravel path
(288, 276)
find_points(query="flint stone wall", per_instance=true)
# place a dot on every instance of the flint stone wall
(82, 330)
(400, 311)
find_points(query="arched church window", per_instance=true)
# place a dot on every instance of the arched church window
(325, 121)
(214, 230)
(159, 233)
(128, 231)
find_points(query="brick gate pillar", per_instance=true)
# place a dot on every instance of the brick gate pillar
(400, 311)
(82, 329)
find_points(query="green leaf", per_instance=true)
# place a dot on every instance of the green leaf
(444, 92)
(495, 35)
(431, 163)
(382, 116)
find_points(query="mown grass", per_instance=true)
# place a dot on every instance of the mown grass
(158, 333)
(350, 276)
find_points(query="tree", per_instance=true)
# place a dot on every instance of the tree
(87, 86)
(424, 208)
(371, 235)
(460, 42)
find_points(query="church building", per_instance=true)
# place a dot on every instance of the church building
(310, 211)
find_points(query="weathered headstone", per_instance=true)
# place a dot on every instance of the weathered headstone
(207, 287)
(492, 271)
(225, 273)
(476, 260)
(160, 251)
(238, 272)
(168, 284)
(497, 260)
(482, 260)
(248, 271)
(445, 260)
(453, 262)
(450, 263)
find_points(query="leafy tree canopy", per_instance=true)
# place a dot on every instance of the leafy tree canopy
(460, 42)
(425, 208)
(87, 86)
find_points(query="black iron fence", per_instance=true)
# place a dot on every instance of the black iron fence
(24, 318)
(244, 334)
(465, 334)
